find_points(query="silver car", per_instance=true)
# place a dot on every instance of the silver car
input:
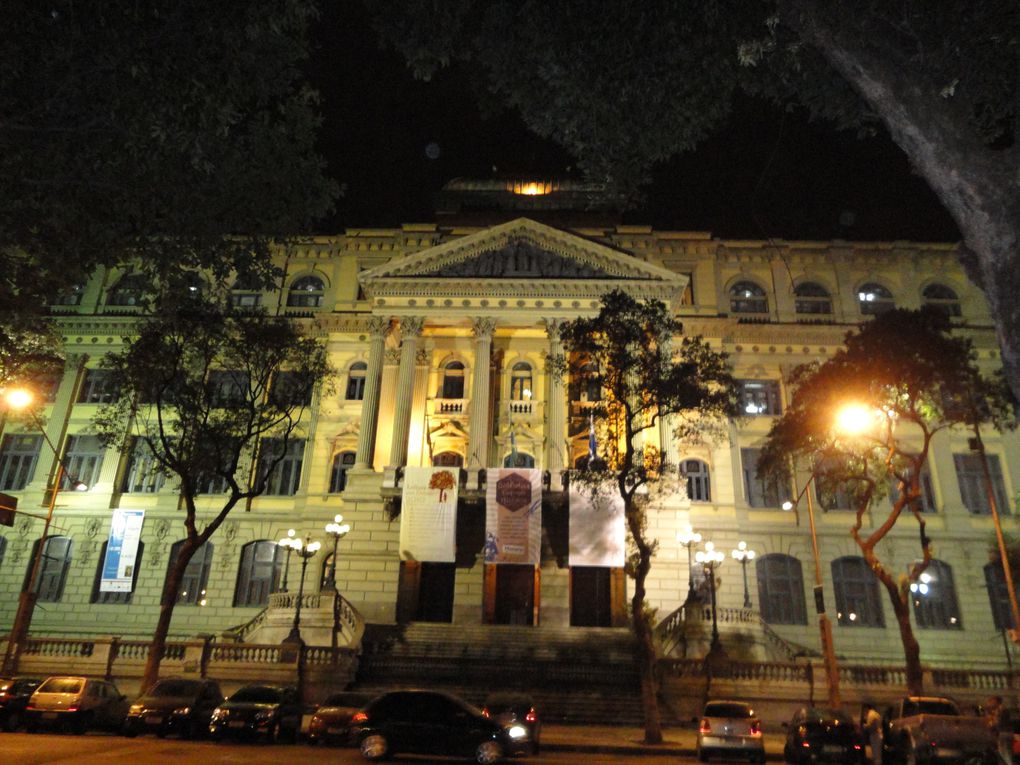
(730, 729)
(76, 703)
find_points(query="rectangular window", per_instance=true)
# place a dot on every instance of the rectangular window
(284, 478)
(291, 389)
(926, 502)
(973, 492)
(98, 387)
(760, 398)
(227, 389)
(761, 493)
(18, 457)
(143, 475)
(83, 457)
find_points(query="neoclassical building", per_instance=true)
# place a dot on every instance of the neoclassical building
(440, 333)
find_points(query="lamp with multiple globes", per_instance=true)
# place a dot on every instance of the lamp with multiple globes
(689, 539)
(710, 558)
(289, 543)
(336, 529)
(743, 554)
(304, 550)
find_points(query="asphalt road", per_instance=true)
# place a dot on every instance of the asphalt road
(101, 749)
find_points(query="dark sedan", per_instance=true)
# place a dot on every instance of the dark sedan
(271, 712)
(823, 735)
(510, 709)
(429, 722)
(14, 695)
(174, 705)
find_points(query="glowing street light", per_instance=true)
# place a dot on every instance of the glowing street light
(337, 529)
(305, 550)
(289, 543)
(743, 554)
(854, 419)
(689, 539)
(711, 558)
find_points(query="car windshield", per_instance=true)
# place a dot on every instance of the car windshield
(61, 685)
(728, 709)
(257, 695)
(929, 707)
(175, 688)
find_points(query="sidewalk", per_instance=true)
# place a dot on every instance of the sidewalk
(611, 739)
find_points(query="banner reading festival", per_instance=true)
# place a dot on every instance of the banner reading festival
(428, 515)
(513, 516)
(597, 531)
(122, 551)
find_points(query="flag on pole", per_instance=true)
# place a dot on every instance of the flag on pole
(591, 438)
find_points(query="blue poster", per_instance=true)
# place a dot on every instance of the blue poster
(122, 551)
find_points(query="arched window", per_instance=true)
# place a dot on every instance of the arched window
(196, 575)
(53, 568)
(131, 290)
(519, 460)
(812, 299)
(342, 462)
(453, 380)
(748, 297)
(856, 588)
(874, 299)
(781, 589)
(934, 598)
(520, 382)
(448, 459)
(115, 598)
(699, 487)
(259, 573)
(356, 376)
(70, 295)
(998, 596)
(246, 293)
(306, 292)
(942, 298)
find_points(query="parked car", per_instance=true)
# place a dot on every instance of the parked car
(431, 722)
(932, 729)
(77, 704)
(730, 729)
(174, 705)
(14, 695)
(823, 735)
(270, 711)
(331, 722)
(515, 709)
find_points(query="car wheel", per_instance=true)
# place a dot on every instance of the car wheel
(374, 747)
(82, 724)
(488, 752)
(13, 722)
(702, 755)
(129, 730)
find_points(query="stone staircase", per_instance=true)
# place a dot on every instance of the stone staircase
(575, 674)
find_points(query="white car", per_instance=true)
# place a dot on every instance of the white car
(730, 729)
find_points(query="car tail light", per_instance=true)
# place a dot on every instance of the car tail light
(485, 711)
(72, 708)
(531, 716)
(704, 727)
(857, 747)
(359, 717)
(806, 744)
(756, 728)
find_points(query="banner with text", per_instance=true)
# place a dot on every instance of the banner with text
(428, 514)
(513, 516)
(122, 551)
(597, 532)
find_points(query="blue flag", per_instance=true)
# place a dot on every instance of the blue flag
(591, 438)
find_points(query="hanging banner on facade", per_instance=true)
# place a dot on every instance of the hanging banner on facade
(597, 533)
(428, 514)
(513, 516)
(122, 551)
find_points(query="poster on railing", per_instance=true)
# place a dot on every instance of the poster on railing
(122, 551)
(513, 515)
(428, 514)
(597, 534)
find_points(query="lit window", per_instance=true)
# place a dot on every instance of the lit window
(857, 597)
(934, 598)
(520, 382)
(874, 299)
(760, 397)
(306, 292)
(748, 297)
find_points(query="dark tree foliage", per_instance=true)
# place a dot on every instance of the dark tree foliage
(196, 389)
(913, 377)
(174, 132)
(650, 377)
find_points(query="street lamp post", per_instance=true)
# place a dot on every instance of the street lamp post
(337, 529)
(688, 539)
(743, 554)
(710, 558)
(305, 551)
(288, 543)
(19, 398)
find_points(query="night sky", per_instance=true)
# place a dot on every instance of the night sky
(393, 142)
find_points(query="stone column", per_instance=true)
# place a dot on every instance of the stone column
(419, 413)
(556, 456)
(378, 327)
(478, 436)
(667, 443)
(410, 331)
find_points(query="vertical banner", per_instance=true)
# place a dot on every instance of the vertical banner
(428, 514)
(597, 531)
(122, 551)
(513, 515)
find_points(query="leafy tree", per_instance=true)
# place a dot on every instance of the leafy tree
(202, 388)
(912, 378)
(622, 85)
(174, 132)
(648, 378)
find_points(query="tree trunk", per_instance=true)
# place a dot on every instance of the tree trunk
(171, 588)
(911, 648)
(646, 654)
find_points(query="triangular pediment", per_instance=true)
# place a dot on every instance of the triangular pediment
(519, 258)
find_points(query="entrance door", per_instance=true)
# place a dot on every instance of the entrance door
(591, 596)
(515, 594)
(435, 592)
